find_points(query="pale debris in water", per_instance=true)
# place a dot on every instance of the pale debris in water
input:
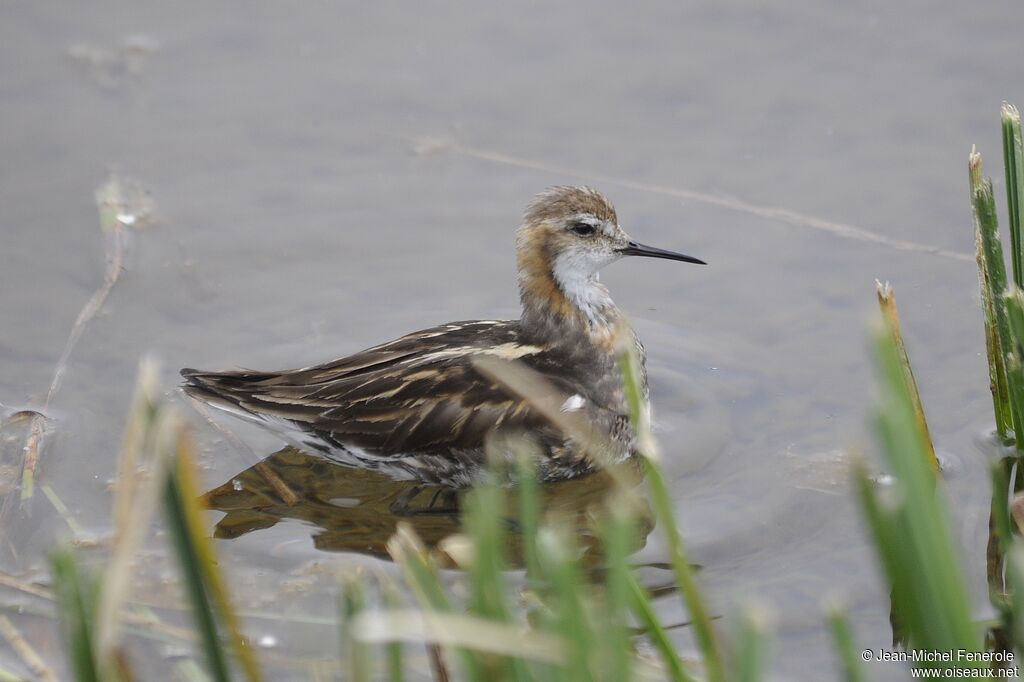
(124, 202)
(427, 146)
(823, 471)
(236, 485)
(267, 641)
(111, 67)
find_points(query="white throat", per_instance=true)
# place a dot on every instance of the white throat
(577, 277)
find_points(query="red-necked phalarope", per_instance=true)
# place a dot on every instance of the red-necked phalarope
(415, 408)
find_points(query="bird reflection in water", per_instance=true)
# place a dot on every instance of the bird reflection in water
(358, 510)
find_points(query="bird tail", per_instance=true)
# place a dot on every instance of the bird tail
(223, 390)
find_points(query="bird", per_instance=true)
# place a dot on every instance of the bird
(418, 408)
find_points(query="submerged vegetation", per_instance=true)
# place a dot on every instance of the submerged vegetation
(574, 616)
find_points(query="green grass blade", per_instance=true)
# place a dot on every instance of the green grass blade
(393, 650)
(911, 527)
(558, 551)
(849, 654)
(1013, 165)
(1000, 541)
(993, 349)
(537, 583)
(891, 318)
(484, 507)
(76, 598)
(395, 664)
(1013, 352)
(664, 512)
(618, 528)
(632, 380)
(640, 603)
(752, 649)
(484, 518)
(408, 551)
(1000, 525)
(707, 639)
(1015, 580)
(188, 557)
(1014, 301)
(883, 522)
(185, 479)
(189, 671)
(992, 265)
(529, 513)
(353, 602)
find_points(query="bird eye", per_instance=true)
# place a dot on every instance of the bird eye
(582, 229)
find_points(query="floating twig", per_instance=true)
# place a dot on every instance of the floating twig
(63, 510)
(288, 496)
(120, 206)
(25, 651)
(777, 213)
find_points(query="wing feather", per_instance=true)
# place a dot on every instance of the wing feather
(417, 394)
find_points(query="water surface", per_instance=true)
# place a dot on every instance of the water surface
(329, 178)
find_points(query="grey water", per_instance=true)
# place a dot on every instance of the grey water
(329, 176)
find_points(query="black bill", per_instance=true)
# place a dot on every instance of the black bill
(634, 249)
